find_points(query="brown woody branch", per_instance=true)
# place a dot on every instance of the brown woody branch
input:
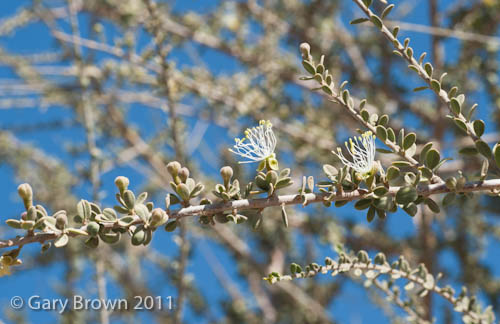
(492, 185)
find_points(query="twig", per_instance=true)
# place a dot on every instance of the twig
(384, 269)
(422, 73)
(261, 203)
(446, 32)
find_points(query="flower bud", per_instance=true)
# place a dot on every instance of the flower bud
(305, 50)
(173, 168)
(31, 214)
(26, 193)
(451, 183)
(226, 174)
(158, 217)
(93, 228)
(61, 220)
(122, 183)
(184, 174)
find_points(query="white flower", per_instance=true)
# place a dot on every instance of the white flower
(362, 151)
(258, 144)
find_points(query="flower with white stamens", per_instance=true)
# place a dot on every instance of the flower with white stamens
(362, 151)
(258, 144)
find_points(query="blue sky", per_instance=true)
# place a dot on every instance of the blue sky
(43, 281)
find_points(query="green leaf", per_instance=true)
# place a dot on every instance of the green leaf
(452, 92)
(326, 89)
(358, 21)
(367, 2)
(383, 120)
(271, 177)
(129, 199)
(345, 95)
(381, 133)
(110, 238)
(395, 31)
(401, 136)
(468, 150)
(142, 211)
(284, 216)
(411, 209)
(409, 140)
(77, 231)
(380, 191)
(362, 104)
(383, 203)
(496, 154)
(471, 111)
(109, 214)
(478, 126)
(92, 242)
(330, 170)
(401, 164)
(392, 173)
(384, 151)
(171, 226)
(432, 159)
(141, 198)
(285, 173)
(426, 172)
(61, 241)
(282, 183)
(424, 151)
(483, 148)
(420, 88)
(183, 191)
(14, 223)
(433, 206)
(139, 236)
(390, 134)
(370, 215)
(376, 21)
(273, 164)
(83, 208)
(484, 169)
(309, 67)
(455, 106)
(365, 115)
(381, 213)
(406, 195)
(441, 78)
(428, 68)
(435, 85)
(387, 11)
(421, 58)
(92, 228)
(340, 203)
(197, 190)
(120, 209)
(363, 203)
(409, 53)
(441, 163)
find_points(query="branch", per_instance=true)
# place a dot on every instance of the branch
(451, 99)
(363, 265)
(446, 32)
(492, 185)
